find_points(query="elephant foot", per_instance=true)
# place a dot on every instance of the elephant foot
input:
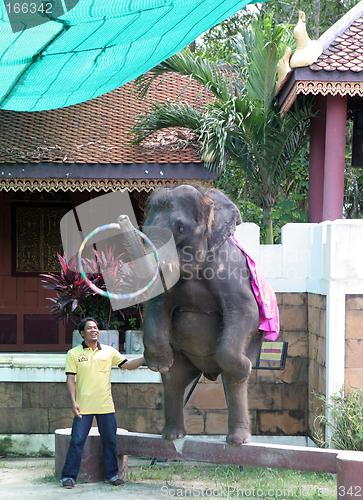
(239, 436)
(159, 363)
(172, 432)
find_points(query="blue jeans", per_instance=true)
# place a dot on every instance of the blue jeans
(81, 426)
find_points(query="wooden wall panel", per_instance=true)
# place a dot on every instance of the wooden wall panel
(7, 255)
(9, 292)
(31, 299)
(8, 329)
(40, 329)
(7, 220)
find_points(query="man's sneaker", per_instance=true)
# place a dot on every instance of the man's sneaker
(117, 482)
(68, 483)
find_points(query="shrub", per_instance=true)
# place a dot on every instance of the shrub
(344, 416)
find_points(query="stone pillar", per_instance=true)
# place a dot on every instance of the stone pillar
(336, 118)
(91, 470)
(316, 162)
(349, 475)
(353, 342)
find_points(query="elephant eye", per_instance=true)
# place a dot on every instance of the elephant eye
(179, 227)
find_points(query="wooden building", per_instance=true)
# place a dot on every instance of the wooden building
(52, 161)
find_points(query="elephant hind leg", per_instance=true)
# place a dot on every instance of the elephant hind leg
(234, 363)
(235, 377)
(236, 360)
(175, 381)
(238, 417)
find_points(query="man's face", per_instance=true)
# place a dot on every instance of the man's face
(90, 332)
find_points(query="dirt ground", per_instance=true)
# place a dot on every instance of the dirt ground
(24, 478)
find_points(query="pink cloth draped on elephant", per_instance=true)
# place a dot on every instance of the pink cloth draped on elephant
(266, 298)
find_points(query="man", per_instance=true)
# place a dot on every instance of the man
(88, 370)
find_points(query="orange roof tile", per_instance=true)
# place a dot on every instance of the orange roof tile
(96, 131)
(343, 54)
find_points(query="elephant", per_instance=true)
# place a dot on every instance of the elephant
(208, 322)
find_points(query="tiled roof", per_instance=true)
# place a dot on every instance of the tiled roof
(345, 53)
(95, 132)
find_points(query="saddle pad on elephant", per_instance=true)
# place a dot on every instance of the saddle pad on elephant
(265, 296)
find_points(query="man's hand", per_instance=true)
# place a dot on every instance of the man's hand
(76, 410)
(71, 386)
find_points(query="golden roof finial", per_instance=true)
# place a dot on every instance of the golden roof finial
(307, 51)
(284, 67)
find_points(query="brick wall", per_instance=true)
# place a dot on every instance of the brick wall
(42, 407)
(317, 354)
(278, 400)
(353, 342)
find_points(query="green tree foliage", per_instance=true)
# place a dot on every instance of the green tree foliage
(217, 43)
(353, 193)
(242, 123)
(292, 202)
(320, 14)
(353, 181)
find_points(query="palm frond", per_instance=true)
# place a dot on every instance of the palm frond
(162, 116)
(242, 122)
(286, 140)
(226, 127)
(191, 67)
(261, 47)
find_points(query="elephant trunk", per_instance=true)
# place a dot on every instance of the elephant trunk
(144, 263)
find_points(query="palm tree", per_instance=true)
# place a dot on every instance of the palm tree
(242, 121)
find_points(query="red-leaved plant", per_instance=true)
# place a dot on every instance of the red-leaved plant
(74, 297)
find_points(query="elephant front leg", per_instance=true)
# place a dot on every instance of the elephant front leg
(238, 417)
(175, 381)
(157, 350)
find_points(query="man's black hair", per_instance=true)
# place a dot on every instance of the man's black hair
(81, 325)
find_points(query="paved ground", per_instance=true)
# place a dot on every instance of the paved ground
(34, 478)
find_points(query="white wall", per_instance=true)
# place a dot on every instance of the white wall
(309, 256)
(44, 367)
(324, 258)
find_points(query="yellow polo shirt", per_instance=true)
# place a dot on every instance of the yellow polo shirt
(93, 376)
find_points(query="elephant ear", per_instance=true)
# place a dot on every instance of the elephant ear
(223, 218)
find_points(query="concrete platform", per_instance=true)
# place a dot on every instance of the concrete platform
(92, 458)
(347, 465)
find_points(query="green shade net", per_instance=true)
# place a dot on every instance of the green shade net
(95, 47)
